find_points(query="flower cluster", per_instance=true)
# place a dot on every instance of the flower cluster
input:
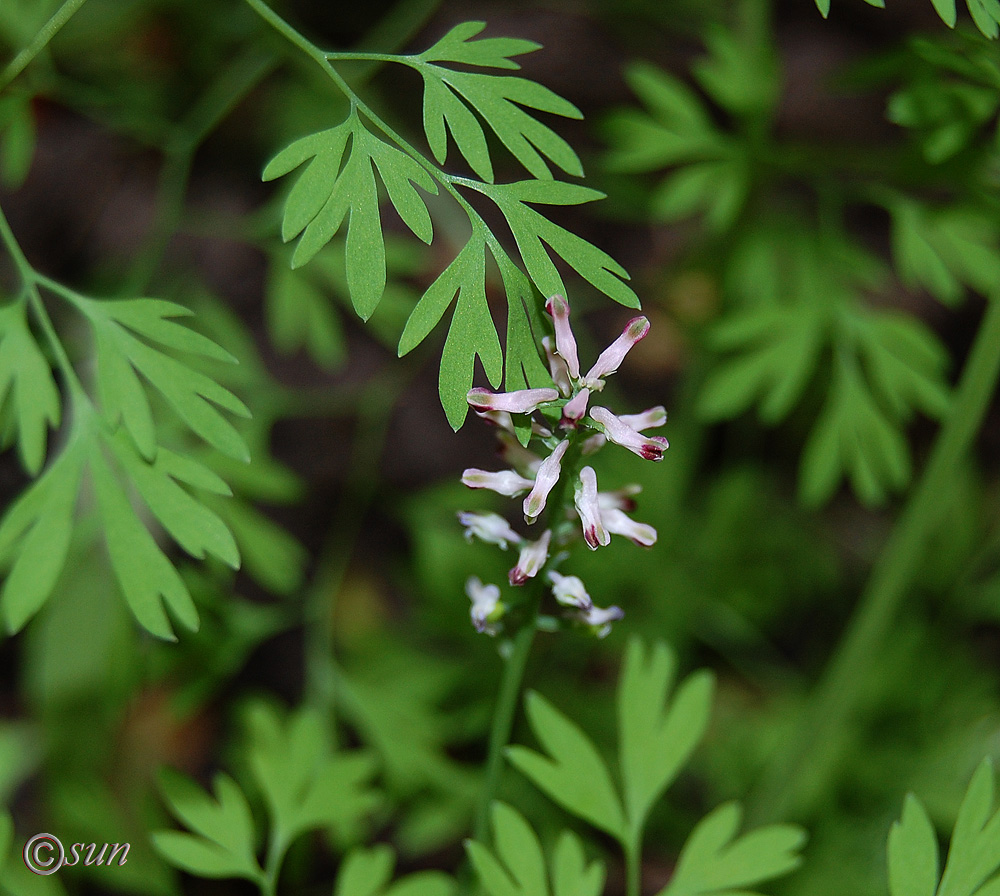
(570, 429)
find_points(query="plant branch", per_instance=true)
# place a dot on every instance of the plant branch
(49, 30)
(30, 280)
(217, 102)
(800, 771)
(322, 59)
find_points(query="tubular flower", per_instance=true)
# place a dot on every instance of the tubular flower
(488, 527)
(532, 559)
(621, 498)
(505, 482)
(586, 430)
(557, 368)
(611, 358)
(620, 523)
(569, 591)
(600, 618)
(487, 608)
(575, 408)
(589, 508)
(558, 308)
(619, 432)
(545, 480)
(520, 401)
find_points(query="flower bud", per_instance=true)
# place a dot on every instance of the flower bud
(504, 482)
(588, 507)
(532, 558)
(569, 591)
(558, 308)
(488, 527)
(520, 401)
(611, 358)
(622, 434)
(545, 480)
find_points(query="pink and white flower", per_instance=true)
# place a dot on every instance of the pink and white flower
(620, 523)
(575, 409)
(600, 618)
(558, 308)
(531, 560)
(611, 358)
(503, 482)
(589, 509)
(569, 591)
(487, 608)
(619, 432)
(520, 401)
(489, 527)
(545, 480)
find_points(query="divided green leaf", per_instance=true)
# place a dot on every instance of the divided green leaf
(306, 785)
(35, 535)
(944, 251)
(122, 355)
(973, 864)
(657, 731)
(222, 838)
(518, 867)
(571, 771)
(712, 176)
(338, 183)
(29, 399)
(449, 94)
(717, 862)
(368, 872)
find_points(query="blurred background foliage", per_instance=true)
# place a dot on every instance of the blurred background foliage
(810, 214)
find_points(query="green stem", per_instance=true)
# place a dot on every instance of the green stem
(633, 870)
(375, 406)
(503, 722)
(322, 59)
(802, 770)
(216, 103)
(49, 30)
(31, 279)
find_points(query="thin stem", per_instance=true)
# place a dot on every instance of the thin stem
(446, 180)
(508, 698)
(49, 30)
(801, 771)
(216, 103)
(31, 279)
(633, 870)
(375, 406)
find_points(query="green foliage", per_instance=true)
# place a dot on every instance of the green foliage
(985, 13)
(715, 861)
(339, 183)
(944, 250)
(223, 841)
(804, 324)
(17, 138)
(368, 872)
(120, 452)
(518, 868)
(973, 857)
(711, 168)
(657, 732)
(29, 399)
(949, 98)
(304, 784)
(499, 100)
